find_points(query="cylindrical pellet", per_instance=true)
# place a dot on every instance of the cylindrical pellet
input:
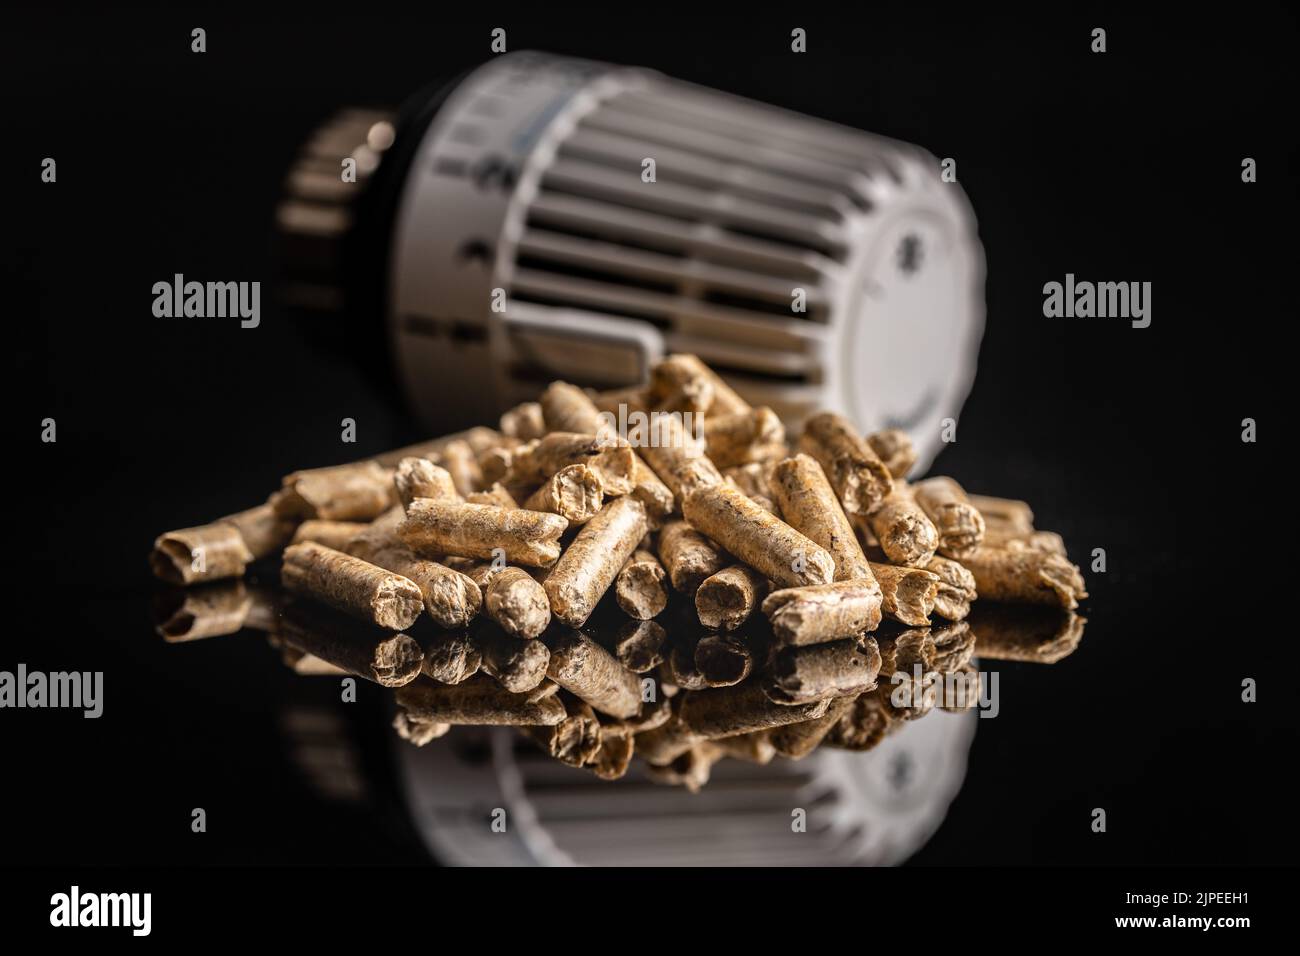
(639, 645)
(587, 670)
(726, 600)
(956, 588)
(1009, 514)
(264, 532)
(613, 460)
(1035, 634)
(207, 553)
(954, 646)
(574, 492)
(482, 531)
(894, 448)
(591, 562)
(210, 610)
(684, 380)
(451, 658)
(421, 478)
(355, 492)
(1025, 577)
(859, 477)
(575, 740)
(651, 492)
(752, 479)
(688, 556)
(332, 534)
(357, 587)
(824, 612)
(517, 665)
(639, 587)
(865, 725)
(461, 461)
(567, 408)
(676, 454)
(524, 421)
(479, 700)
(758, 538)
(845, 668)
(1048, 541)
(797, 741)
(740, 709)
(494, 495)
(905, 532)
(809, 505)
(479, 438)
(753, 436)
(418, 732)
(614, 756)
(959, 523)
(908, 593)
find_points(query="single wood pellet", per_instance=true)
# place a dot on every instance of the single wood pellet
(574, 492)
(524, 421)
(908, 593)
(956, 588)
(726, 600)
(808, 503)
(420, 478)
(332, 534)
(356, 492)
(451, 658)
(859, 477)
(518, 665)
(639, 645)
(894, 448)
(592, 561)
(479, 701)
(435, 528)
(722, 660)
(639, 587)
(824, 612)
(1025, 576)
(905, 532)
(388, 659)
(688, 556)
(753, 436)
(210, 552)
(587, 670)
(356, 587)
(959, 523)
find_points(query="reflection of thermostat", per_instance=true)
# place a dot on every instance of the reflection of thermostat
(544, 218)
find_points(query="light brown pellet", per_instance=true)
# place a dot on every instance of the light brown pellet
(956, 588)
(651, 492)
(461, 461)
(630, 399)
(859, 477)
(494, 465)
(592, 561)
(1009, 514)
(894, 448)
(480, 438)
(824, 612)
(908, 593)
(517, 602)
(726, 600)
(639, 587)
(753, 436)
(436, 528)
(1025, 577)
(479, 700)
(356, 492)
(797, 741)
(567, 408)
(683, 373)
(354, 586)
(524, 421)
(388, 659)
(1048, 541)
(752, 479)
(418, 732)
(518, 665)
(575, 740)
(494, 495)
(667, 742)
(688, 556)
(209, 552)
(1035, 634)
(810, 506)
(587, 670)
(332, 534)
(264, 532)
(451, 658)
(421, 478)
(676, 454)
(756, 537)
(612, 460)
(959, 523)
(905, 532)
(845, 668)
(574, 492)
(741, 709)
(639, 645)
(722, 660)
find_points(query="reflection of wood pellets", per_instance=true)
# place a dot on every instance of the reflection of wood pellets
(479, 700)
(809, 505)
(685, 379)
(960, 690)
(857, 474)
(756, 537)
(421, 478)
(753, 436)
(518, 665)
(722, 660)
(960, 525)
(906, 650)
(356, 492)
(639, 645)
(418, 732)
(388, 659)
(690, 769)
(726, 600)
(332, 534)
(797, 741)
(894, 448)
(574, 492)
(905, 532)
(206, 553)
(587, 670)
(211, 610)
(740, 709)
(592, 561)
(1034, 634)
(667, 742)
(956, 588)
(954, 646)
(451, 658)
(688, 556)
(524, 421)
(755, 748)
(1025, 576)
(798, 675)
(496, 494)
(613, 461)
(824, 612)
(614, 756)
(482, 531)
(567, 408)
(865, 725)
(679, 668)
(908, 593)
(357, 587)
(1008, 514)
(575, 740)
(639, 587)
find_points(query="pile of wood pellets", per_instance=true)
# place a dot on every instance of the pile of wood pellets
(706, 587)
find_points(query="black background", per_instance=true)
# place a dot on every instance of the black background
(1122, 166)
